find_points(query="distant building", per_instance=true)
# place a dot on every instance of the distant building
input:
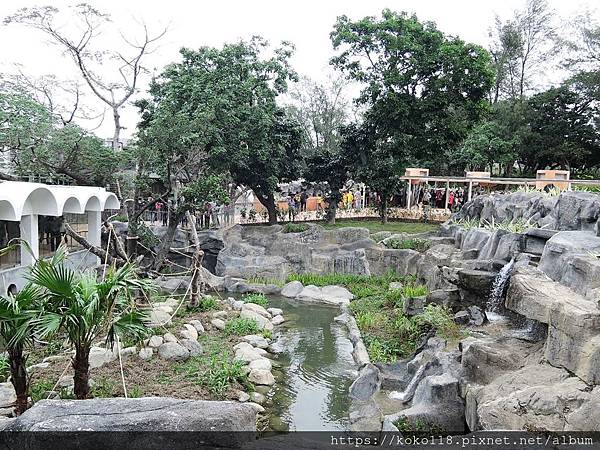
(123, 142)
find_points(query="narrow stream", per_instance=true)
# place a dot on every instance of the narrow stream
(315, 369)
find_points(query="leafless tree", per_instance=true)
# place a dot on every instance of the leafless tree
(79, 47)
(522, 48)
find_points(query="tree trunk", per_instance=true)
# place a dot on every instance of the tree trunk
(384, 209)
(81, 366)
(268, 201)
(18, 378)
(197, 284)
(167, 240)
(117, 135)
(331, 211)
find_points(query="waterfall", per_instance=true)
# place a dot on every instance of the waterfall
(409, 392)
(495, 301)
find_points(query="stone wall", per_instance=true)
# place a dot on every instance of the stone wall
(571, 210)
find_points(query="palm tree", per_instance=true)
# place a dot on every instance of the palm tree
(17, 330)
(86, 307)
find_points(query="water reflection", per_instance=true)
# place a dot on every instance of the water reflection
(317, 368)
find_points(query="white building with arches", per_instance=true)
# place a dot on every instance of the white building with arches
(24, 203)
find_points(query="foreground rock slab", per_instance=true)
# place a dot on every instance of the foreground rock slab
(150, 414)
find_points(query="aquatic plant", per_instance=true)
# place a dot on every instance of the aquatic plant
(257, 299)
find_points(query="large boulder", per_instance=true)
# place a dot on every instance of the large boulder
(143, 416)
(436, 406)
(292, 289)
(366, 384)
(537, 396)
(570, 257)
(333, 295)
(573, 321)
(263, 322)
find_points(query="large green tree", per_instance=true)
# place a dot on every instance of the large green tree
(423, 90)
(563, 130)
(38, 142)
(222, 103)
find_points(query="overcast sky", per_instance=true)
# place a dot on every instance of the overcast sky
(306, 23)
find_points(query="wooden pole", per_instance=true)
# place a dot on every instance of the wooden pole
(447, 193)
(408, 194)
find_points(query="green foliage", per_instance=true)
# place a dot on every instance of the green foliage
(385, 54)
(512, 226)
(4, 368)
(258, 299)
(85, 306)
(42, 145)
(205, 303)
(295, 227)
(104, 388)
(440, 319)
(38, 389)
(375, 226)
(262, 280)
(412, 291)
(240, 326)
(388, 334)
(217, 108)
(135, 392)
(216, 371)
(414, 244)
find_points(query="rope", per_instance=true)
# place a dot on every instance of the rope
(121, 367)
(59, 377)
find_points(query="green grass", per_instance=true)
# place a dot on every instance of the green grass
(291, 227)
(4, 368)
(37, 390)
(257, 299)
(263, 280)
(240, 326)
(411, 291)
(388, 333)
(216, 370)
(419, 245)
(375, 226)
(207, 303)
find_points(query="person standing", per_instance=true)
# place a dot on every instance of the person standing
(358, 199)
(303, 198)
(291, 208)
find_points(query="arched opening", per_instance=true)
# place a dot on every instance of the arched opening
(93, 204)
(112, 202)
(72, 205)
(7, 211)
(41, 201)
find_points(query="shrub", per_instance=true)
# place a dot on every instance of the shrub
(258, 299)
(215, 371)
(240, 326)
(440, 319)
(206, 303)
(219, 373)
(263, 280)
(39, 388)
(4, 368)
(412, 290)
(295, 227)
(417, 244)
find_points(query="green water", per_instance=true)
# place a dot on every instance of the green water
(314, 370)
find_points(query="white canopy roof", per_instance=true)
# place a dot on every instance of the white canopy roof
(19, 198)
